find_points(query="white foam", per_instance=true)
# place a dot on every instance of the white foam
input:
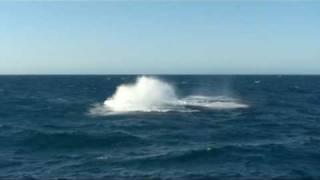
(146, 94)
(214, 102)
(149, 94)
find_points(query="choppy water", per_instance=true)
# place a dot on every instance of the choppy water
(58, 127)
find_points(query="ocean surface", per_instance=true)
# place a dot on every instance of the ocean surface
(159, 127)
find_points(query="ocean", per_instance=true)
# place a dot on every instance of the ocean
(159, 127)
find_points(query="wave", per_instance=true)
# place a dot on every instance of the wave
(149, 94)
(70, 140)
(206, 155)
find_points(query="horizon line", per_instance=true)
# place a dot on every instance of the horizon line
(165, 74)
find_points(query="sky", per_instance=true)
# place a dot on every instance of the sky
(249, 37)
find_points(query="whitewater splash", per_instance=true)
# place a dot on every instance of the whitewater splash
(149, 94)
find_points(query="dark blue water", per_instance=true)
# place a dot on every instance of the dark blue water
(47, 132)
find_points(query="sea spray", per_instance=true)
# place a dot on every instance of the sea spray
(149, 94)
(146, 94)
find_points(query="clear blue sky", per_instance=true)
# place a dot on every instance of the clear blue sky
(153, 37)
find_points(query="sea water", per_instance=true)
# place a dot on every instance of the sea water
(159, 127)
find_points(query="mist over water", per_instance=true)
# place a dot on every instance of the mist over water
(149, 94)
